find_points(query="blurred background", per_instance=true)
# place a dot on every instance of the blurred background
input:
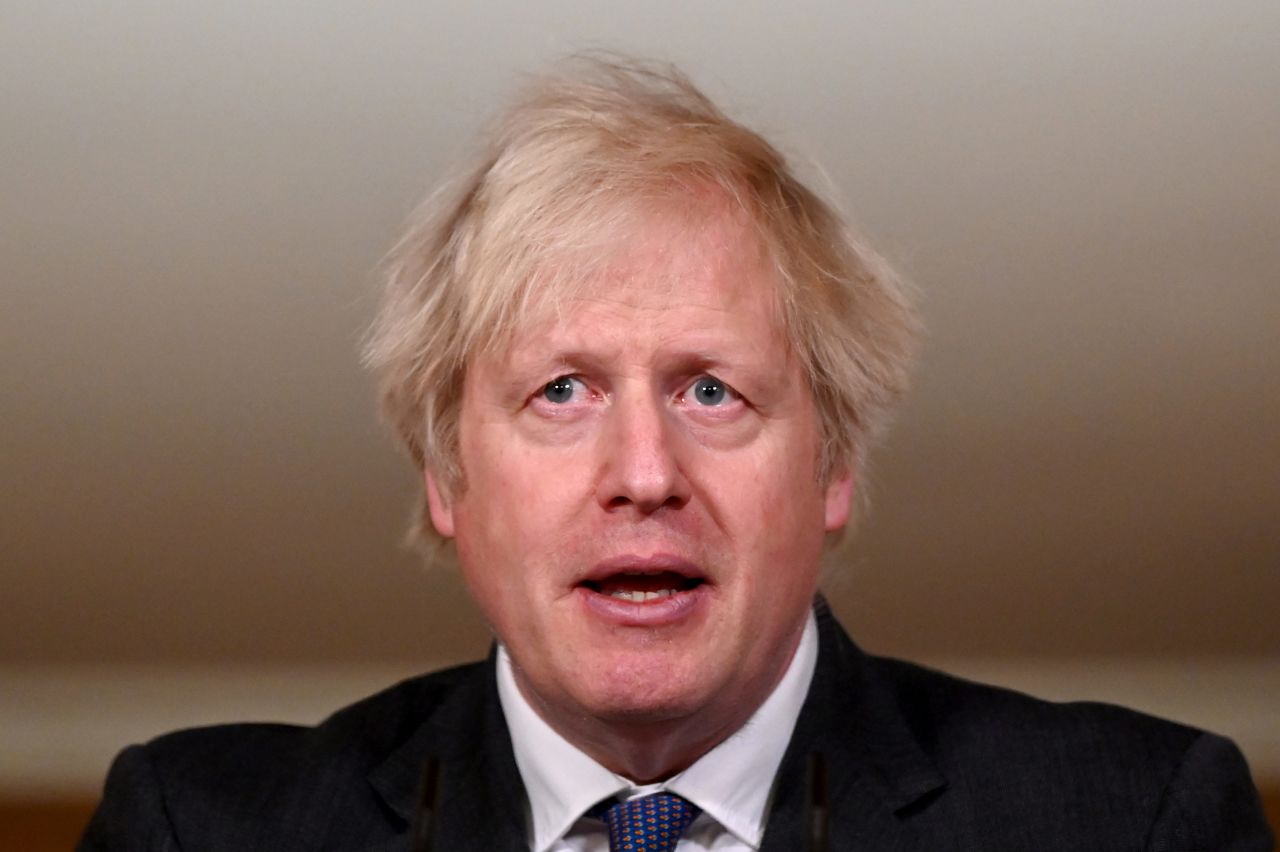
(202, 517)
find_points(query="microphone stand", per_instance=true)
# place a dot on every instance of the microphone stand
(817, 806)
(422, 833)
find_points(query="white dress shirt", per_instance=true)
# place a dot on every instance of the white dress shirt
(732, 783)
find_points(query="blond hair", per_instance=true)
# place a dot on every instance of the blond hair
(556, 184)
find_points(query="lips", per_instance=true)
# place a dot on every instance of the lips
(641, 587)
(643, 579)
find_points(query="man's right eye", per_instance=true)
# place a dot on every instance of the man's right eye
(562, 389)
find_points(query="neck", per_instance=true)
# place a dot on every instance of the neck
(648, 751)
(648, 748)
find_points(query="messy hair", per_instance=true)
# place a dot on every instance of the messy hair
(558, 181)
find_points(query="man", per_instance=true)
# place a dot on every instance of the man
(640, 366)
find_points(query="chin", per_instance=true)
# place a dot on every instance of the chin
(637, 695)
(644, 710)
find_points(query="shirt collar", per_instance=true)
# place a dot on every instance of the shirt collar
(731, 783)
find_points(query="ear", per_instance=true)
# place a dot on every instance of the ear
(439, 506)
(839, 499)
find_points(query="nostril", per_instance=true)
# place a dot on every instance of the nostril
(622, 501)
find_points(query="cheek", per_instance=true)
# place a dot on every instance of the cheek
(518, 505)
(791, 520)
(770, 514)
(782, 479)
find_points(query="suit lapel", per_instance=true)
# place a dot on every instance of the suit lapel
(876, 769)
(481, 802)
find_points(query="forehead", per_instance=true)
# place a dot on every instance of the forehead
(701, 271)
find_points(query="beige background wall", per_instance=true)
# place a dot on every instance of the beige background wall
(194, 196)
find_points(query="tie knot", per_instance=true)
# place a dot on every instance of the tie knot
(650, 823)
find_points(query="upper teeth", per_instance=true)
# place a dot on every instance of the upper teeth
(638, 596)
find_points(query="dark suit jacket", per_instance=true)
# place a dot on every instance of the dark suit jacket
(916, 760)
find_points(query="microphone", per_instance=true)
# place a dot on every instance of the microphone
(817, 807)
(422, 834)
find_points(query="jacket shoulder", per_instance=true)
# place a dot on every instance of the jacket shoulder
(355, 737)
(248, 786)
(956, 714)
(1088, 774)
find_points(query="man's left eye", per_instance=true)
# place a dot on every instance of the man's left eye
(709, 390)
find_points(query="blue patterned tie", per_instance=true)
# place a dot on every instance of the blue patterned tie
(651, 823)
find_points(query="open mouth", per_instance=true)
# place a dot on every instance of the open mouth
(643, 586)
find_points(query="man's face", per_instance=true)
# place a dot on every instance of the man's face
(642, 522)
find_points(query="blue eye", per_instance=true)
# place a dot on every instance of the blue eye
(560, 390)
(709, 390)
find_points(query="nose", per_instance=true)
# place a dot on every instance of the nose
(641, 458)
